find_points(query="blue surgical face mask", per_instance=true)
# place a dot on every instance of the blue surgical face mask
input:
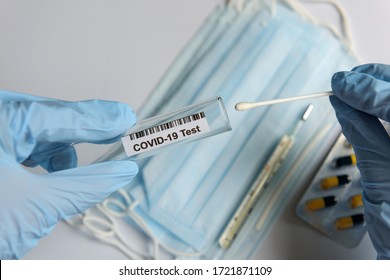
(184, 198)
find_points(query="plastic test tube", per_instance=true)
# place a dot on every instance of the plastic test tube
(188, 124)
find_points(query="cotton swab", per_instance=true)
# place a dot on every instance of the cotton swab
(242, 106)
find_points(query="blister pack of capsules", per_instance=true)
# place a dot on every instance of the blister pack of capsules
(332, 202)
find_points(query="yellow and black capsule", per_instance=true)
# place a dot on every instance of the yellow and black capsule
(345, 161)
(356, 201)
(335, 181)
(321, 202)
(348, 222)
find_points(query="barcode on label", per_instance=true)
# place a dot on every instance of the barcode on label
(183, 129)
(166, 126)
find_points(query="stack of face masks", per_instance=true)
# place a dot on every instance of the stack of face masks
(183, 198)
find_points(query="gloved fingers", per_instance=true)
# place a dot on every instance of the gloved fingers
(376, 70)
(369, 139)
(363, 92)
(73, 191)
(29, 124)
(95, 121)
(52, 157)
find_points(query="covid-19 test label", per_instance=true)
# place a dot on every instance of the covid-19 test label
(165, 134)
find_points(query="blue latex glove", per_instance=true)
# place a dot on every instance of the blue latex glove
(31, 204)
(363, 96)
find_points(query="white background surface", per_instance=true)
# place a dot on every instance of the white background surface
(119, 50)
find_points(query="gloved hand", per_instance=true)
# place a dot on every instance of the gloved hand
(31, 204)
(363, 96)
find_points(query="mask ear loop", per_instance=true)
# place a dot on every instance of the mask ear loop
(345, 35)
(107, 231)
(126, 210)
(130, 212)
